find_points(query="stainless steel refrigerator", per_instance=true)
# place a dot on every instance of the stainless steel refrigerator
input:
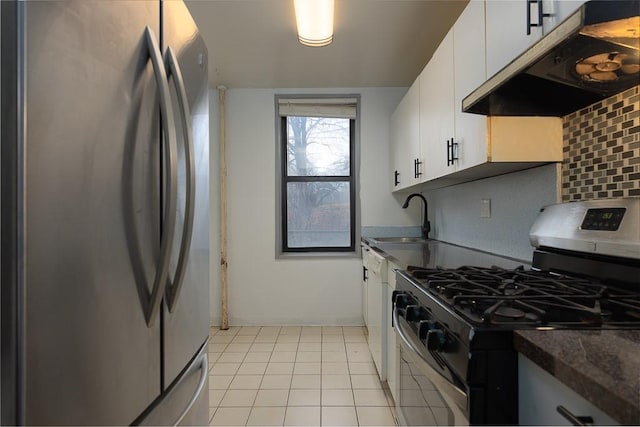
(104, 218)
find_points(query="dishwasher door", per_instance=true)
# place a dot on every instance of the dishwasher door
(377, 311)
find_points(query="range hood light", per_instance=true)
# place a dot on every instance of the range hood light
(314, 19)
(624, 32)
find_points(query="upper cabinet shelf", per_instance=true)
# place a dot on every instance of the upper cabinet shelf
(435, 144)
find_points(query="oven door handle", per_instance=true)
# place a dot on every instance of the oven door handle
(458, 395)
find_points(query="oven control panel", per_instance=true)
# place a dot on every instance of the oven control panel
(606, 227)
(608, 219)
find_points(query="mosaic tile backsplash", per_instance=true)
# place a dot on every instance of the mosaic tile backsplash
(601, 149)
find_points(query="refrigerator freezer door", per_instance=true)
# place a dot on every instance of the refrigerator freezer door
(91, 222)
(186, 325)
(186, 400)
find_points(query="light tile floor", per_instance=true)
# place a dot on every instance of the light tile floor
(295, 375)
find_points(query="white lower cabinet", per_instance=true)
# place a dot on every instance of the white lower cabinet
(379, 282)
(540, 394)
(393, 350)
(365, 261)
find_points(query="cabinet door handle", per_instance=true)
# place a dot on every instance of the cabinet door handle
(452, 152)
(396, 179)
(541, 15)
(418, 173)
(365, 276)
(576, 420)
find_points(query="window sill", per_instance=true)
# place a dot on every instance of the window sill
(319, 255)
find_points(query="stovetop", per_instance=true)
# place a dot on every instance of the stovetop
(520, 298)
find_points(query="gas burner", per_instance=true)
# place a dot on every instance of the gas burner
(509, 312)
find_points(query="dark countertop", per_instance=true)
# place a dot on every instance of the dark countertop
(602, 366)
(436, 253)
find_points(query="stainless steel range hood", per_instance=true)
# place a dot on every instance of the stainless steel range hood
(590, 56)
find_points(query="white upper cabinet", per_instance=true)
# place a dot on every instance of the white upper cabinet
(469, 61)
(558, 11)
(436, 111)
(506, 32)
(511, 30)
(451, 140)
(405, 139)
(433, 157)
(453, 146)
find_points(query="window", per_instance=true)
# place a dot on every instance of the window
(317, 170)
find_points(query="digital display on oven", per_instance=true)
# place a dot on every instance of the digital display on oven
(608, 219)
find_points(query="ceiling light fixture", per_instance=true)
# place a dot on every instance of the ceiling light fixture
(314, 19)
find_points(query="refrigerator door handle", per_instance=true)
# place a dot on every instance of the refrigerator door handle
(203, 366)
(171, 194)
(162, 408)
(173, 289)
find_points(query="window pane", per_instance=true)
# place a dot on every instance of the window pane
(318, 214)
(317, 146)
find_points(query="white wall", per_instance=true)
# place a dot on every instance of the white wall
(214, 209)
(264, 290)
(515, 198)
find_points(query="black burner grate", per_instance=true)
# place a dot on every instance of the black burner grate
(497, 296)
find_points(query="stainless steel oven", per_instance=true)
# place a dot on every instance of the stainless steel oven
(426, 396)
(455, 326)
(450, 373)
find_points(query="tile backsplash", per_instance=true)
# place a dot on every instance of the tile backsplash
(602, 149)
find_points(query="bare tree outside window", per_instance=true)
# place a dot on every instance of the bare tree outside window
(318, 182)
(318, 146)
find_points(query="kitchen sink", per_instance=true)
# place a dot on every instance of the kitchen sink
(400, 239)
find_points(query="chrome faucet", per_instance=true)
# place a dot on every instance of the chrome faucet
(426, 226)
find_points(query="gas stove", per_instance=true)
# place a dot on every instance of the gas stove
(456, 325)
(519, 298)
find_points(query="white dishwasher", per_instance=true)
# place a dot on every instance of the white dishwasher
(377, 310)
(393, 349)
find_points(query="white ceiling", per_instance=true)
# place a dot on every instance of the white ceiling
(253, 43)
